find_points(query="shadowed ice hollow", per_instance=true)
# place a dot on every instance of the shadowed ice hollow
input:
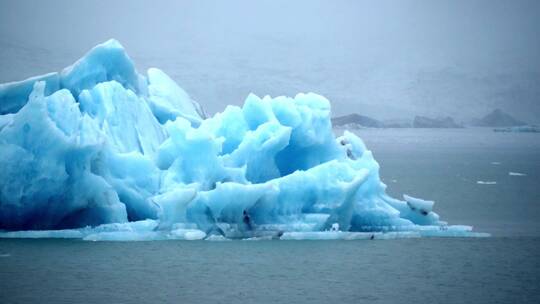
(101, 152)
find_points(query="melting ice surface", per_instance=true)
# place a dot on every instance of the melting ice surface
(101, 152)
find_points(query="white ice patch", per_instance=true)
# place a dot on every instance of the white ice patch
(146, 231)
(516, 174)
(486, 182)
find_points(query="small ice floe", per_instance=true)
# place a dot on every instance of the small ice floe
(394, 181)
(486, 182)
(495, 163)
(516, 174)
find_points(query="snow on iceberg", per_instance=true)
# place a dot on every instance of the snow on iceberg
(101, 152)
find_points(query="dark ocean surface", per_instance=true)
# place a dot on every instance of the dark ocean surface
(487, 270)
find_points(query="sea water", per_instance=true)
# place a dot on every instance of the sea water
(445, 165)
(440, 165)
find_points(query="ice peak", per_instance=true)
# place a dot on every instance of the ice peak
(105, 62)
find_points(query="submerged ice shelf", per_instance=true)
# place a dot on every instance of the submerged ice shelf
(101, 152)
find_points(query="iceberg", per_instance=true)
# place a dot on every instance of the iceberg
(100, 152)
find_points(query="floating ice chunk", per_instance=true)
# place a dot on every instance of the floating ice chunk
(486, 182)
(495, 163)
(127, 157)
(187, 234)
(516, 174)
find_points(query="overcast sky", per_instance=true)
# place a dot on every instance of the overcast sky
(386, 59)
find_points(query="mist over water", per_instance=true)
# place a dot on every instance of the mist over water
(390, 60)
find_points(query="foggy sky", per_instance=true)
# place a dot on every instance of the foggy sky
(386, 59)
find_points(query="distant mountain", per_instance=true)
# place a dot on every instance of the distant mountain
(441, 122)
(357, 120)
(360, 121)
(398, 123)
(497, 118)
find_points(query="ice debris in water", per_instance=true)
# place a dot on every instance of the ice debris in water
(486, 182)
(101, 152)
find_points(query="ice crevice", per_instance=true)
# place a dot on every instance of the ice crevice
(100, 152)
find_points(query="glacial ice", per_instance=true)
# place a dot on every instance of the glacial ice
(101, 152)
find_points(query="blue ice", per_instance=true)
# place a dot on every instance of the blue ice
(101, 152)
